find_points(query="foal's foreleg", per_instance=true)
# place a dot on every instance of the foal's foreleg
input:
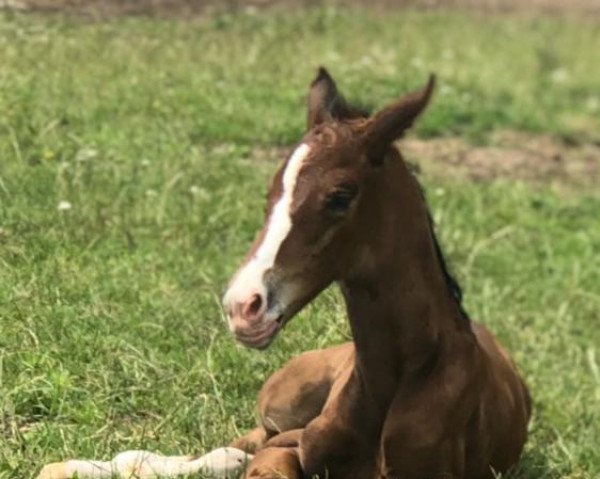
(258, 438)
(252, 441)
(294, 395)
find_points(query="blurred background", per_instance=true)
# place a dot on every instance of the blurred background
(161, 7)
(137, 139)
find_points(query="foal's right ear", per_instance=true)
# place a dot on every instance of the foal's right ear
(390, 123)
(324, 101)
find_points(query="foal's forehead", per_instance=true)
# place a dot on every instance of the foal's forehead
(325, 146)
(324, 153)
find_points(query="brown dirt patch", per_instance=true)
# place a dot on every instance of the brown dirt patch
(536, 159)
(191, 7)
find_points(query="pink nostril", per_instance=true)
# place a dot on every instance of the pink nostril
(252, 307)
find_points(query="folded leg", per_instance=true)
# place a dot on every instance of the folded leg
(252, 441)
(295, 395)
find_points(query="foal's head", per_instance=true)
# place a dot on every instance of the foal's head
(323, 202)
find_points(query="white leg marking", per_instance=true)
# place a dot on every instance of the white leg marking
(220, 463)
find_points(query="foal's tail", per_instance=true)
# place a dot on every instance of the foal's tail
(221, 463)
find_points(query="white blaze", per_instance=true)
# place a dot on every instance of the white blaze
(250, 278)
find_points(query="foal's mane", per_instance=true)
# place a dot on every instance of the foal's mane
(453, 285)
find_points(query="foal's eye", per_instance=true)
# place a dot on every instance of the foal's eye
(340, 200)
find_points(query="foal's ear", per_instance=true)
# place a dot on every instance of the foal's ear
(324, 101)
(390, 123)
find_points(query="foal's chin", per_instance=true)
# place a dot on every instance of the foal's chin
(260, 343)
(259, 337)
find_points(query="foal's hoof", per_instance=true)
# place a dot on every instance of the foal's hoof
(56, 470)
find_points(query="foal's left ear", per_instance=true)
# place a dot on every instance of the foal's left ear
(389, 124)
(325, 101)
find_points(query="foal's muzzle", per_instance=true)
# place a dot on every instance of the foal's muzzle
(251, 320)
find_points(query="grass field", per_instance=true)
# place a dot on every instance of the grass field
(134, 158)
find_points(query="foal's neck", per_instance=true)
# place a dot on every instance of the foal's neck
(400, 308)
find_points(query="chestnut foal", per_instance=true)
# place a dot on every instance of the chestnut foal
(421, 392)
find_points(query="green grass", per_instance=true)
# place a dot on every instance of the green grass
(111, 331)
(243, 78)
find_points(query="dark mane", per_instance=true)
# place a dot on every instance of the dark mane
(453, 285)
(357, 110)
